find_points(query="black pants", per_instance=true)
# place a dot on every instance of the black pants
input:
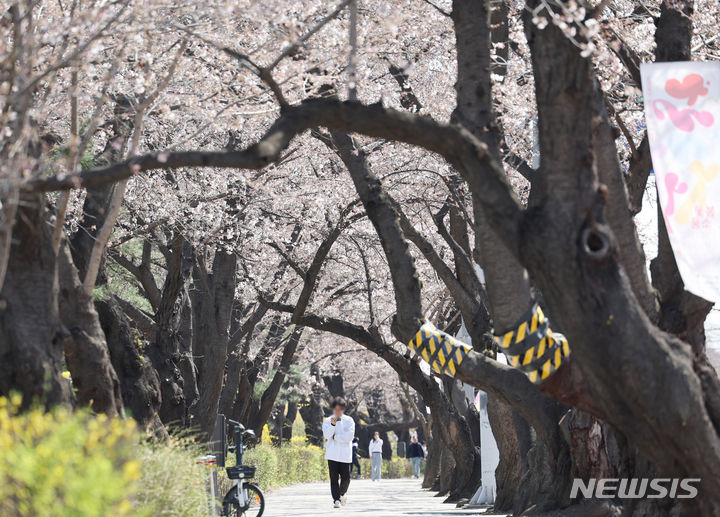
(341, 471)
(356, 463)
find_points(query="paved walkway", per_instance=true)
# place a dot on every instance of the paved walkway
(387, 498)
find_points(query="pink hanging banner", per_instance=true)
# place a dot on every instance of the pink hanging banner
(682, 109)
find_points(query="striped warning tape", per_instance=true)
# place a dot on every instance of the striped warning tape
(443, 352)
(533, 347)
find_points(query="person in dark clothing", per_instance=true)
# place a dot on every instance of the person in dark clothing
(355, 461)
(416, 454)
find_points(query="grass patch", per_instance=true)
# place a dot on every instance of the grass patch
(171, 484)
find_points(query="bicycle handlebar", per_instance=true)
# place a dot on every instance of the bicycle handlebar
(234, 422)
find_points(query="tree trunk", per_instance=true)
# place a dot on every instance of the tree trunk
(212, 307)
(432, 463)
(86, 351)
(233, 372)
(513, 441)
(287, 426)
(673, 412)
(173, 411)
(267, 401)
(681, 312)
(139, 383)
(448, 476)
(312, 414)
(186, 362)
(95, 206)
(237, 359)
(31, 333)
(507, 281)
(169, 350)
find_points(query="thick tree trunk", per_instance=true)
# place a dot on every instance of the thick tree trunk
(247, 405)
(312, 414)
(267, 401)
(432, 463)
(186, 362)
(86, 351)
(170, 352)
(139, 383)
(237, 360)
(163, 354)
(673, 412)
(31, 333)
(97, 199)
(287, 426)
(617, 212)
(681, 312)
(212, 307)
(506, 280)
(447, 478)
(244, 401)
(233, 372)
(512, 437)
(82, 242)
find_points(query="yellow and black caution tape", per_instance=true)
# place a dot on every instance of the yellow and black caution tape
(443, 352)
(534, 347)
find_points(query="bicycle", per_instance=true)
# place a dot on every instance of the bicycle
(243, 499)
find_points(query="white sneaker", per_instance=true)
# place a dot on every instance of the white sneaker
(337, 504)
(343, 500)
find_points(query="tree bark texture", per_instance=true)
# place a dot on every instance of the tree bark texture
(31, 333)
(139, 383)
(86, 350)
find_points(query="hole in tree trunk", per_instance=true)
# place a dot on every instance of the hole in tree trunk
(595, 243)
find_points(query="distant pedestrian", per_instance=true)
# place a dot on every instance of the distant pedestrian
(339, 430)
(355, 460)
(416, 454)
(375, 450)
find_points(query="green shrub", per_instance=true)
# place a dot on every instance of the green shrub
(396, 468)
(298, 462)
(290, 464)
(65, 464)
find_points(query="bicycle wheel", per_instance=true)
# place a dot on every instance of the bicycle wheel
(256, 501)
(254, 507)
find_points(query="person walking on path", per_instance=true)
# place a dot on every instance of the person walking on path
(339, 430)
(416, 454)
(355, 460)
(375, 450)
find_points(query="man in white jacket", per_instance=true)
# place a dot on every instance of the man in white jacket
(339, 431)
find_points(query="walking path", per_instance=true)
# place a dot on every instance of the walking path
(387, 498)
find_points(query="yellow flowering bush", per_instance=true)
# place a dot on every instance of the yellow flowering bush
(62, 463)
